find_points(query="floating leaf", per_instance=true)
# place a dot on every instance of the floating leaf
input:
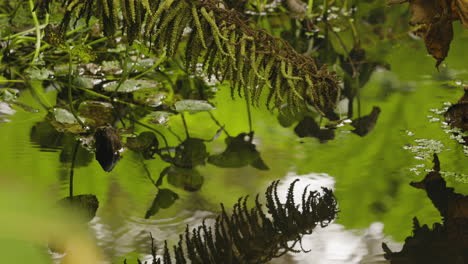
(163, 200)
(149, 96)
(84, 205)
(129, 86)
(193, 106)
(108, 147)
(159, 117)
(64, 116)
(97, 113)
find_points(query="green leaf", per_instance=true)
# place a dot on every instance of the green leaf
(39, 74)
(64, 116)
(159, 117)
(129, 86)
(149, 96)
(193, 106)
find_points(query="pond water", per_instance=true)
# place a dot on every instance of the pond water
(369, 175)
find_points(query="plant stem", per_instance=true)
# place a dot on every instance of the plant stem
(38, 32)
(310, 6)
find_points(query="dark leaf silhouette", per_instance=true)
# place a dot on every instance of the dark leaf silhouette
(108, 146)
(309, 128)
(446, 242)
(163, 200)
(84, 205)
(188, 179)
(190, 153)
(240, 152)
(365, 124)
(249, 235)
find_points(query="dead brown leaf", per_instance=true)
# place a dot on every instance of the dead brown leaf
(462, 11)
(434, 18)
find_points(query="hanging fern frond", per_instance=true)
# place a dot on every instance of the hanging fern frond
(249, 235)
(234, 49)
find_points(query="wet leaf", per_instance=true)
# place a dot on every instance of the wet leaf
(64, 116)
(84, 82)
(84, 205)
(145, 143)
(38, 74)
(64, 121)
(434, 19)
(129, 86)
(8, 94)
(163, 200)
(365, 124)
(240, 152)
(149, 96)
(108, 147)
(159, 117)
(188, 179)
(97, 113)
(193, 106)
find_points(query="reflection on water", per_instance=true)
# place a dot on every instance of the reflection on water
(335, 244)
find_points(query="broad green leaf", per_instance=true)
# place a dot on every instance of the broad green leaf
(193, 106)
(129, 86)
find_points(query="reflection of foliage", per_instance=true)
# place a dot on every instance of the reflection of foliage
(84, 205)
(249, 235)
(250, 58)
(365, 124)
(188, 179)
(190, 153)
(457, 116)
(163, 200)
(145, 143)
(240, 152)
(108, 147)
(307, 127)
(446, 242)
(434, 19)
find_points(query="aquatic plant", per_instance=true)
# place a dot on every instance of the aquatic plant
(251, 235)
(229, 47)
